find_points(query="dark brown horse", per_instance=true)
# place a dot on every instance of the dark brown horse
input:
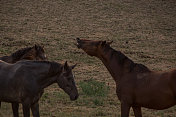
(24, 82)
(136, 85)
(30, 53)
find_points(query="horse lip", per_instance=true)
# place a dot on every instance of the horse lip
(74, 98)
(78, 44)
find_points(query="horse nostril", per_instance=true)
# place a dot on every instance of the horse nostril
(78, 45)
(76, 97)
(78, 39)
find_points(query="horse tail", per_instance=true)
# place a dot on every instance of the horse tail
(0, 104)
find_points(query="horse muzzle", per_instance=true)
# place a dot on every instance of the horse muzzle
(78, 44)
(75, 97)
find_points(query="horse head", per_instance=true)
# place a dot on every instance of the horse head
(66, 81)
(35, 53)
(91, 47)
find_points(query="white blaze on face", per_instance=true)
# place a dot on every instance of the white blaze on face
(73, 77)
(45, 55)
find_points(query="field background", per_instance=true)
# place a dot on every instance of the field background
(144, 30)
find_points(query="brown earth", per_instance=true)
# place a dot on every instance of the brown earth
(145, 30)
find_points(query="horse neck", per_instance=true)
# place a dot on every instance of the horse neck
(21, 55)
(112, 63)
(47, 81)
(7, 59)
(50, 78)
(28, 57)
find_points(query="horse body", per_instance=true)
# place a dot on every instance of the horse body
(136, 85)
(151, 90)
(24, 81)
(30, 53)
(18, 84)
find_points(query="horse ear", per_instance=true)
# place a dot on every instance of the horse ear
(103, 43)
(109, 43)
(72, 67)
(36, 47)
(65, 66)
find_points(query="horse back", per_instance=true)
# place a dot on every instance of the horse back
(173, 81)
(173, 74)
(7, 71)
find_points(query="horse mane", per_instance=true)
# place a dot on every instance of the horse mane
(19, 53)
(54, 66)
(125, 61)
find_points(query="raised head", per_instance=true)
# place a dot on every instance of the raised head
(35, 53)
(66, 81)
(92, 48)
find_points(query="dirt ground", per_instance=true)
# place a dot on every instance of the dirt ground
(144, 30)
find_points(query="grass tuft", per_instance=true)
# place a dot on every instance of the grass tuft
(94, 88)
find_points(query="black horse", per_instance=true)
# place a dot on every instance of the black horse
(35, 52)
(24, 82)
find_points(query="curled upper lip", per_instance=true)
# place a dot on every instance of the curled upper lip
(74, 98)
(78, 42)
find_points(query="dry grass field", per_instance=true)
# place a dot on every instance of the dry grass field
(144, 30)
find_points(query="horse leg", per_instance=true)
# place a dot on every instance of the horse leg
(26, 109)
(35, 109)
(137, 111)
(125, 108)
(15, 107)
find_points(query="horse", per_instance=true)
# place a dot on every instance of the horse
(35, 52)
(24, 82)
(136, 85)
(29, 53)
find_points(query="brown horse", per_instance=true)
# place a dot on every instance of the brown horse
(29, 53)
(136, 85)
(24, 82)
